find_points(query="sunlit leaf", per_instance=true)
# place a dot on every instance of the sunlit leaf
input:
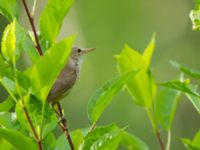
(62, 143)
(43, 74)
(148, 52)
(8, 43)
(140, 87)
(9, 8)
(52, 17)
(131, 142)
(195, 18)
(100, 100)
(17, 139)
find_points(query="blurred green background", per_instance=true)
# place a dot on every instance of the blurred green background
(108, 25)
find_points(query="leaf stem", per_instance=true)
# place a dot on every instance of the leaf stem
(65, 126)
(27, 114)
(155, 128)
(168, 139)
(31, 20)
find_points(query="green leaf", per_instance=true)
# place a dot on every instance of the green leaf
(96, 134)
(103, 138)
(8, 43)
(10, 86)
(140, 87)
(62, 143)
(9, 8)
(6, 105)
(191, 72)
(5, 145)
(43, 74)
(8, 120)
(181, 86)
(108, 141)
(17, 139)
(25, 43)
(195, 100)
(148, 52)
(100, 100)
(2, 67)
(43, 123)
(49, 142)
(166, 104)
(52, 17)
(131, 142)
(195, 18)
(77, 138)
(194, 144)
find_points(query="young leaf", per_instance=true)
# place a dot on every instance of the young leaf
(16, 138)
(52, 17)
(195, 18)
(100, 100)
(43, 74)
(44, 123)
(166, 104)
(8, 43)
(131, 142)
(9, 9)
(148, 52)
(2, 67)
(191, 72)
(194, 144)
(140, 87)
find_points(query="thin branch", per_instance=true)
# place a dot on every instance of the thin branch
(32, 127)
(65, 126)
(160, 140)
(31, 20)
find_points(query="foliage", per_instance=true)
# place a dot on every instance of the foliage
(26, 116)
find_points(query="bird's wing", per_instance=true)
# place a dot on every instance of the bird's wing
(62, 86)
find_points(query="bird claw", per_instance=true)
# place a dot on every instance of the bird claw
(61, 119)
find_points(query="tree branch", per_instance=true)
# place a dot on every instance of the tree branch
(160, 140)
(65, 126)
(31, 20)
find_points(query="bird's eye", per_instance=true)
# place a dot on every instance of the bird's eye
(79, 50)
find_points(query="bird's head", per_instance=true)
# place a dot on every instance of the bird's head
(77, 52)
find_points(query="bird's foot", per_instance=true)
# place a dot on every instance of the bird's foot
(61, 119)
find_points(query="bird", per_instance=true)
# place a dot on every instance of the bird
(68, 75)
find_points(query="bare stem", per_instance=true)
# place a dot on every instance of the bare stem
(160, 140)
(65, 126)
(32, 127)
(31, 20)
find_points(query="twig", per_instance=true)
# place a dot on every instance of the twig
(32, 127)
(31, 20)
(160, 140)
(65, 126)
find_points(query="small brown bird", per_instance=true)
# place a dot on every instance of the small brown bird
(68, 75)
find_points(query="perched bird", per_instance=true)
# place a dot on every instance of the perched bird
(68, 75)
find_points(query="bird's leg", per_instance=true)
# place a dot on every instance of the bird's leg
(61, 117)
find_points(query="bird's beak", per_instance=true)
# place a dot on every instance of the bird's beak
(87, 50)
